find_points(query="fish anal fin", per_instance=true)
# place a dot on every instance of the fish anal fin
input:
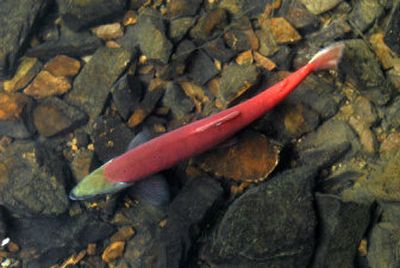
(220, 121)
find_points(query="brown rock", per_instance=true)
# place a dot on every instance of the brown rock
(264, 62)
(13, 247)
(367, 137)
(91, 249)
(196, 94)
(268, 46)
(26, 71)
(62, 65)
(282, 31)
(123, 234)
(391, 144)
(108, 31)
(12, 105)
(137, 117)
(113, 251)
(245, 58)
(45, 85)
(130, 18)
(208, 23)
(82, 164)
(251, 159)
(386, 56)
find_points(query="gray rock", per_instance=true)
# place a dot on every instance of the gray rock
(392, 31)
(272, 225)
(78, 14)
(238, 35)
(209, 25)
(53, 116)
(365, 13)
(298, 15)
(233, 79)
(32, 180)
(216, 49)
(93, 84)
(16, 19)
(335, 30)
(201, 68)
(47, 240)
(392, 115)
(342, 226)
(186, 218)
(179, 27)
(384, 246)
(3, 226)
(68, 43)
(320, 6)
(175, 99)
(126, 94)
(110, 137)
(250, 8)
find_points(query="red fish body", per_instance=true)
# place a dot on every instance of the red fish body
(168, 149)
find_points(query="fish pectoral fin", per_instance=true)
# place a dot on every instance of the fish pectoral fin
(219, 121)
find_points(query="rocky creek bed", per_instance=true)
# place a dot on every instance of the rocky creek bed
(314, 183)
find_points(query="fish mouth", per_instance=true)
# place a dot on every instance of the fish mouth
(94, 184)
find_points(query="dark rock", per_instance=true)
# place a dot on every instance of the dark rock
(32, 180)
(216, 49)
(179, 27)
(16, 19)
(342, 225)
(130, 40)
(365, 13)
(15, 115)
(209, 25)
(136, 4)
(384, 245)
(235, 80)
(111, 138)
(3, 226)
(283, 58)
(67, 235)
(335, 30)
(181, 8)
(93, 84)
(175, 99)
(320, 6)
(250, 8)
(392, 115)
(241, 36)
(201, 68)
(78, 14)
(69, 43)
(338, 183)
(268, 45)
(274, 219)
(126, 94)
(186, 218)
(390, 212)
(53, 116)
(298, 15)
(184, 50)
(392, 31)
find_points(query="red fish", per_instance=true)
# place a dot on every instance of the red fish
(167, 150)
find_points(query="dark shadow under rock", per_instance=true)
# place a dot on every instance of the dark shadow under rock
(342, 225)
(272, 225)
(32, 180)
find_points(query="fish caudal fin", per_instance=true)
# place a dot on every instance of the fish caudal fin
(329, 57)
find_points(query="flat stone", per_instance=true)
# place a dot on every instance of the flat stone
(82, 164)
(179, 27)
(108, 31)
(334, 30)
(365, 13)
(126, 94)
(280, 224)
(268, 45)
(27, 70)
(208, 25)
(15, 115)
(62, 65)
(281, 30)
(78, 15)
(241, 36)
(68, 43)
(384, 245)
(342, 226)
(113, 251)
(201, 68)
(245, 58)
(181, 8)
(392, 112)
(320, 6)
(93, 84)
(217, 49)
(176, 100)
(392, 31)
(238, 7)
(386, 56)
(53, 116)
(252, 158)
(32, 180)
(235, 80)
(16, 19)
(45, 85)
(264, 62)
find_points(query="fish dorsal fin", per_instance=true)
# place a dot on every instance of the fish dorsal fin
(222, 120)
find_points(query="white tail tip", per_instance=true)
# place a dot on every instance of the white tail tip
(329, 57)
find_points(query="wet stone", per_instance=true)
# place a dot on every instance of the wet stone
(392, 31)
(320, 6)
(111, 138)
(62, 65)
(392, 115)
(32, 180)
(365, 13)
(82, 164)
(216, 49)
(280, 224)
(68, 43)
(16, 19)
(126, 94)
(15, 115)
(384, 245)
(176, 100)
(108, 31)
(201, 68)
(238, 7)
(113, 251)
(78, 15)
(245, 58)
(342, 226)
(300, 17)
(181, 8)
(27, 70)
(46, 84)
(197, 94)
(235, 80)
(3, 226)
(390, 144)
(123, 234)
(281, 30)
(53, 116)
(130, 18)
(384, 53)
(331, 32)
(179, 27)
(93, 84)
(208, 24)
(252, 158)
(268, 45)
(241, 36)
(264, 62)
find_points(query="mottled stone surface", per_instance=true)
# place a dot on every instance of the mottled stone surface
(62, 65)
(16, 19)
(46, 84)
(27, 70)
(93, 84)
(32, 180)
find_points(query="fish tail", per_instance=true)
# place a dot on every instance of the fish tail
(329, 57)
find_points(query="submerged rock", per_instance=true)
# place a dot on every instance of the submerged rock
(27, 70)
(32, 180)
(180, 8)
(392, 32)
(175, 99)
(365, 13)
(274, 219)
(46, 84)
(201, 68)
(320, 6)
(384, 245)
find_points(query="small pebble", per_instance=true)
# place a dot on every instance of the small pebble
(123, 234)
(245, 58)
(108, 31)
(91, 249)
(113, 251)
(264, 62)
(130, 18)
